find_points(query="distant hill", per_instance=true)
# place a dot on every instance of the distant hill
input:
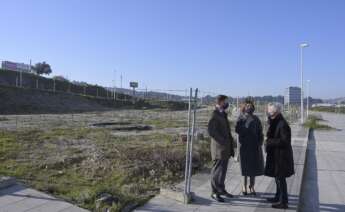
(16, 100)
(205, 99)
(257, 99)
(335, 100)
(151, 94)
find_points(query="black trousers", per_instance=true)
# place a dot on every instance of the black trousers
(218, 174)
(281, 193)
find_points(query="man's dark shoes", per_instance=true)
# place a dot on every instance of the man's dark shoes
(273, 199)
(217, 197)
(280, 206)
(226, 194)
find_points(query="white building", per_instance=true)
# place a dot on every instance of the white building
(292, 96)
(323, 105)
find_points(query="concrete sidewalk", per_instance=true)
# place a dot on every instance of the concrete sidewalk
(265, 187)
(324, 187)
(18, 198)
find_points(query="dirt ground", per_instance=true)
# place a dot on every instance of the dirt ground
(128, 154)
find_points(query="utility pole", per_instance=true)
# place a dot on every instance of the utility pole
(237, 102)
(308, 94)
(237, 158)
(145, 92)
(121, 80)
(115, 84)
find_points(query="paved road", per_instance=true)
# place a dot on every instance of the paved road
(265, 187)
(324, 189)
(18, 198)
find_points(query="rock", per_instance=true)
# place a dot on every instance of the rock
(105, 199)
(152, 172)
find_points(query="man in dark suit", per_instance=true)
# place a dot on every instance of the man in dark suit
(221, 148)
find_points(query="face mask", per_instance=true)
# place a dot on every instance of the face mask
(249, 110)
(226, 105)
(270, 115)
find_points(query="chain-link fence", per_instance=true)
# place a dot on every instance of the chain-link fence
(128, 154)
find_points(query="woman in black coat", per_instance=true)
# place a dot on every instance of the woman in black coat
(250, 134)
(279, 158)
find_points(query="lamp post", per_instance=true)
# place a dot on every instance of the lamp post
(308, 94)
(114, 85)
(302, 45)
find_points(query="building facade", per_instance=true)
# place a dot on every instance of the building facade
(292, 96)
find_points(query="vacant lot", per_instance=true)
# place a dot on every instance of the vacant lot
(127, 154)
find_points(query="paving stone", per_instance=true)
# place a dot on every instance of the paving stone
(264, 186)
(18, 198)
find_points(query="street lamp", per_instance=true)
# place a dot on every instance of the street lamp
(308, 94)
(114, 84)
(302, 45)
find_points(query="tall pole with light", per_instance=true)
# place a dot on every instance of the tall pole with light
(308, 94)
(302, 45)
(114, 88)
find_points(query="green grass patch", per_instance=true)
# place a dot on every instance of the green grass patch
(3, 119)
(313, 122)
(79, 163)
(329, 109)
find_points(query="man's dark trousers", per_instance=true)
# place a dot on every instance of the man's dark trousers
(281, 193)
(218, 174)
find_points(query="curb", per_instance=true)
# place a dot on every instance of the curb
(300, 205)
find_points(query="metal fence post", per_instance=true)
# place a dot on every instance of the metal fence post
(186, 194)
(195, 101)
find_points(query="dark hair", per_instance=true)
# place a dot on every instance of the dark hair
(249, 100)
(221, 98)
